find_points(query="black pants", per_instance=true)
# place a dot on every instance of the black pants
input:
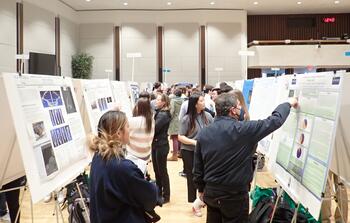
(3, 207)
(226, 207)
(159, 160)
(188, 159)
(12, 197)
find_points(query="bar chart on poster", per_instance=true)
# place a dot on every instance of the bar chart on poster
(98, 99)
(49, 130)
(121, 97)
(306, 139)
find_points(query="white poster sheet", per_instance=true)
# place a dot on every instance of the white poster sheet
(121, 97)
(341, 154)
(49, 130)
(134, 92)
(98, 99)
(267, 94)
(306, 139)
(11, 166)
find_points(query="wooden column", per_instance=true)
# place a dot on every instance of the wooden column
(202, 76)
(58, 45)
(19, 33)
(117, 52)
(160, 53)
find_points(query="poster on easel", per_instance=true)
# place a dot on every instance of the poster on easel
(134, 92)
(11, 166)
(146, 86)
(341, 155)
(247, 91)
(98, 98)
(49, 130)
(267, 94)
(307, 138)
(121, 97)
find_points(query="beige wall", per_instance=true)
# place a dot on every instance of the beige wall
(7, 36)
(182, 61)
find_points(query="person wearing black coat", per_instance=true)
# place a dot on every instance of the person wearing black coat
(160, 146)
(118, 189)
(223, 158)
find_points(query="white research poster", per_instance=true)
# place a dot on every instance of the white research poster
(307, 138)
(121, 97)
(49, 130)
(98, 99)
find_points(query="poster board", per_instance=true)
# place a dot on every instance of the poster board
(341, 154)
(146, 86)
(98, 99)
(9, 148)
(81, 104)
(307, 138)
(49, 130)
(121, 97)
(239, 85)
(134, 92)
(267, 94)
(247, 91)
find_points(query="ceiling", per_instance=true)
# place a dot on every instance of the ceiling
(262, 7)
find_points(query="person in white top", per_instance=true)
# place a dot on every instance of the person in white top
(141, 133)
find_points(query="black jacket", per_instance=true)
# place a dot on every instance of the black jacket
(162, 120)
(223, 155)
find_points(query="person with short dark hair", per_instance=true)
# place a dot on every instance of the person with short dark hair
(223, 158)
(226, 89)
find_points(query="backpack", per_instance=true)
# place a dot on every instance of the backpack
(76, 211)
(262, 212)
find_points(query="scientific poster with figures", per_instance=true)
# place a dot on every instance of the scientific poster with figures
(247, 91)
(49, 130)
(134, 92)
(121, 97)
(306, 140)
(98, 99)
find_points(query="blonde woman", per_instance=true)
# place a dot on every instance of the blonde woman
(119, 191)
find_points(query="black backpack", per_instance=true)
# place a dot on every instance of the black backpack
(262, 212)
(76, 210)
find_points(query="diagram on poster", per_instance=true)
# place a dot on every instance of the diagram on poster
(49, 130)
(98, 99)
(121, 96)
(134, 91)
(247, 91)
(307, 138)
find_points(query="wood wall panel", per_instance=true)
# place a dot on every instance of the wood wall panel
(274, 27)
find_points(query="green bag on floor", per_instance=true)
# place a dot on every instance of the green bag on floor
(259, 193)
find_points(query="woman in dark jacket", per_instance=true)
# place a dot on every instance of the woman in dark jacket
(160, 146)
(119, 191)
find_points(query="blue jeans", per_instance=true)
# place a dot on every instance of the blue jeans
(3, 208)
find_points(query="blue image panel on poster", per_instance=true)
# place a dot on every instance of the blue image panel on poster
(247, 91)
(51, 98)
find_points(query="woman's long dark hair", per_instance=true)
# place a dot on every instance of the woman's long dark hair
(192, 112)
(143, 108)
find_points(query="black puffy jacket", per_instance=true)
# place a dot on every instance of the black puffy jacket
(162, 119)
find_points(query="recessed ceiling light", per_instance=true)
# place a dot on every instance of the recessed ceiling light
(336, 2)
(88, 0)
(299, 3)
(255, 3)
(212, 3)
(125, 3)
(168, 3)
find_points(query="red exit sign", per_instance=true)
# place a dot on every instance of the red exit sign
(329, 20)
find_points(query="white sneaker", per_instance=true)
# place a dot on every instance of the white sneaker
(48, 198)
(6, 218)
(197, 212)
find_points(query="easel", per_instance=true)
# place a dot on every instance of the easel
(15, 188)
(333, 196)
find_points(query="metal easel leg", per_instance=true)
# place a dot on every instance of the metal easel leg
(83, 200)
(275, 207)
